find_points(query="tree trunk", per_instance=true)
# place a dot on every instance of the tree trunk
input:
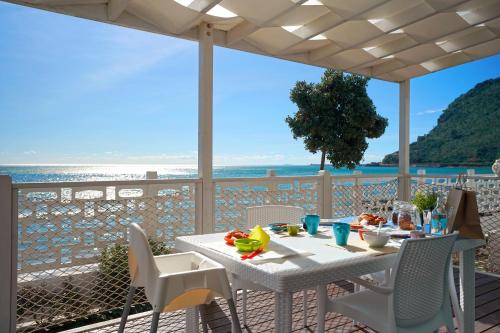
(323, 156)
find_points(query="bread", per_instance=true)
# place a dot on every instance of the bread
(371, 219)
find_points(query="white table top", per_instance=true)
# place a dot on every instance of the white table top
(326, 263)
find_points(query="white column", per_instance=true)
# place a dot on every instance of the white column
(404, 141)
(8, 259)
(205, 125)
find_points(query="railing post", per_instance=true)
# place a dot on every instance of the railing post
(325, 195)
(273, 189)
(357, 195)
(150, 175)
(420, 180)
(8, 257)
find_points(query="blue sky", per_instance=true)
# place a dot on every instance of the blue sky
(77, 91)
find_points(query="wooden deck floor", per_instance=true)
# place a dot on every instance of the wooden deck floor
(261, 313)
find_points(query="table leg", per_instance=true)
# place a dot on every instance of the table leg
(467, 292)
(283, 312)
(322, 296)
(457, 310)
(192, 320)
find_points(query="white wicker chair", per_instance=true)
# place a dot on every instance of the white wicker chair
(417, 298)
(264, 215)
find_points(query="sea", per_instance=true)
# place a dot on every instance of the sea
(63, 173)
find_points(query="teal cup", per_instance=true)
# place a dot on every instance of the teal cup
(341, 232)
(312, 223)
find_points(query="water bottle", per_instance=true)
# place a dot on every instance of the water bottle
(439, 218)
(436, 218)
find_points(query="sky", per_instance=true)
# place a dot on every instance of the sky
(76, 91)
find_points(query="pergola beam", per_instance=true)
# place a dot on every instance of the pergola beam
(64, 2)
(332, 24)
(116, 8)
(246, 28)
(432, 40)
(202, 6)
(319, 54)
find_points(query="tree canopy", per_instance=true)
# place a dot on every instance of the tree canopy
(335, 117)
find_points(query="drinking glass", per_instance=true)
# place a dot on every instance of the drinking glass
(341, 232)
(312, 223)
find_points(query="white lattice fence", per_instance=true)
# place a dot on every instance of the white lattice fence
(232, 197)
(72, 254)
(488, 199)
(353, 196)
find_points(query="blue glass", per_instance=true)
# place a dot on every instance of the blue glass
(312, 223)
(341, 232)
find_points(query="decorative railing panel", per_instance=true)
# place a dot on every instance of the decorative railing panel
(352, 196)
(72, 255)
(72, 259)
(233, 196)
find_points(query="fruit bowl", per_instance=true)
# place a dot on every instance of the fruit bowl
(247, 244)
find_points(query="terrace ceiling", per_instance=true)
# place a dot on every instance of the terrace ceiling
(392, 40)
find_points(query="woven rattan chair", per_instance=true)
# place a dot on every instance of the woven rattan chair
(264, 215)
(417, 298)
(175, 281)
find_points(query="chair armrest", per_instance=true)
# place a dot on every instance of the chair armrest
(371, 286)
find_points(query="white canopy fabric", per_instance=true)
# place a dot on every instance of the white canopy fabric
(393, 40)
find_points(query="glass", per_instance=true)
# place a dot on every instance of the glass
(293, 230)
(341, 232)
(405, 219)
(312, 224)
(395, 212)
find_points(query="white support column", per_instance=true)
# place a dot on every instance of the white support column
(205, 125)
(8, 259)
(404, 141)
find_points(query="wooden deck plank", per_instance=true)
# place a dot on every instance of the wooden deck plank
(260, 311)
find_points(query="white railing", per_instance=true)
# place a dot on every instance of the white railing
(62, 237)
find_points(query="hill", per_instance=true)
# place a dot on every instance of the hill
(467, 132)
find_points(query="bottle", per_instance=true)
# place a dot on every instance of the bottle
(435, 217)
(439, 219)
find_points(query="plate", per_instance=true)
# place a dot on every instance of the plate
(278, 227)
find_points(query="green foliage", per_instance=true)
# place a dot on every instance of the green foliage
(425, 201)
(335, 117)
(466, 132)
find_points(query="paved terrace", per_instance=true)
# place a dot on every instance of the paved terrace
(261, 313)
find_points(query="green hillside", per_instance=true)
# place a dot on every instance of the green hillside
(467, 133)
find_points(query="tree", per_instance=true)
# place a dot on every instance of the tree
(335, 117)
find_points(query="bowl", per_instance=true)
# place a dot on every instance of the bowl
(247, 244)
(375, 239)
(278, 227)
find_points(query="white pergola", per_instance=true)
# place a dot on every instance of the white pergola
(392, 40)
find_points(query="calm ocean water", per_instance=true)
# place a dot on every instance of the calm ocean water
(60, 173)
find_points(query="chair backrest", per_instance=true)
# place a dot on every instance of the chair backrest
(420, 279)
(142, 266)
(264, 215)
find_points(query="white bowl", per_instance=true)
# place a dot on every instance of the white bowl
(375, 239)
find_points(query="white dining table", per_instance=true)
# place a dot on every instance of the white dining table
(317, 263)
